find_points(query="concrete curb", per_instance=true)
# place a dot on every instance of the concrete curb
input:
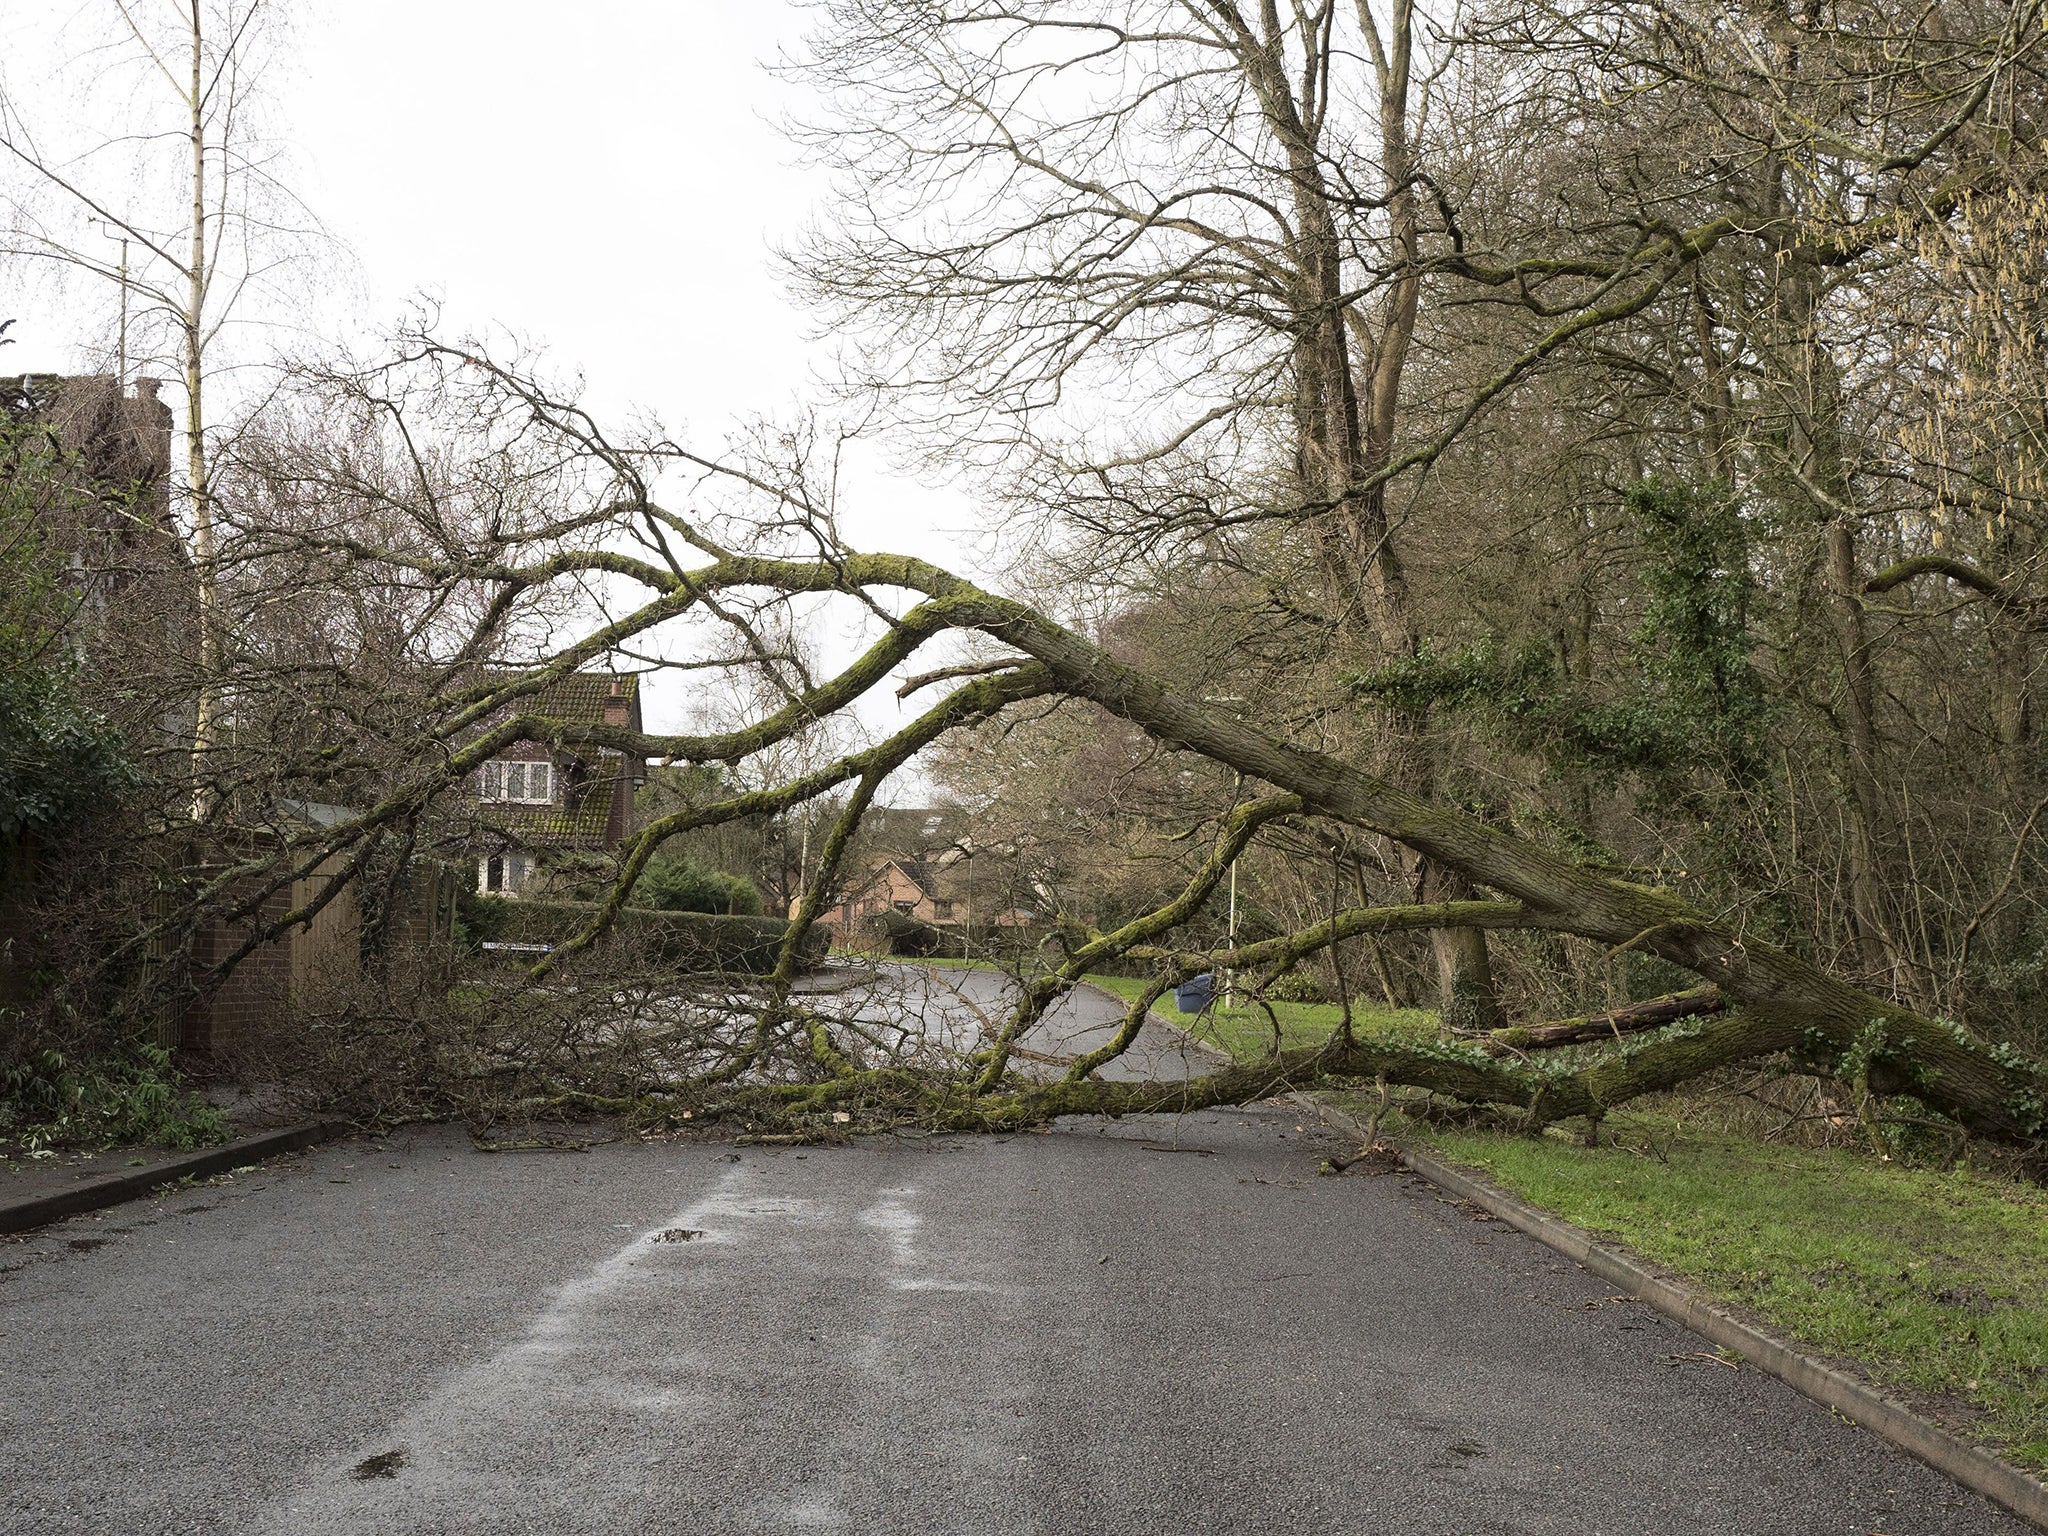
(1978, 1470)
(41, 1210)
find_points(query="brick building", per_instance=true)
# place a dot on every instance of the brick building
(537, 804)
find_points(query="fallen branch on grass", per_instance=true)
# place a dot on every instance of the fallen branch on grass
(1654, 1013)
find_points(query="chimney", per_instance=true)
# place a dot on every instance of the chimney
(615, 702)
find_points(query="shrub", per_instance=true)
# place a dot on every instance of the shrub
(684, 885)
(131, 1094)
(1295, 987)
(898, 933)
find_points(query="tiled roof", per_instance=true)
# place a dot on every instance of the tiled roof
(578, 698)
(925, 877)
(542, 824)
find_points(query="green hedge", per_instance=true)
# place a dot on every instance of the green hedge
(692, 942)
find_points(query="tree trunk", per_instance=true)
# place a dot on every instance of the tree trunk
(1995, 1093)
(205, 545)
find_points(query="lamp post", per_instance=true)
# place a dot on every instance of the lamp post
(1230, 974)
(121, 347)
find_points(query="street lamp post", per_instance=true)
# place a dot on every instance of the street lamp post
(121, 346)
(1230, 972)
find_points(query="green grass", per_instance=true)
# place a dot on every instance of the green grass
(1935, 1280)
(1246, 1034)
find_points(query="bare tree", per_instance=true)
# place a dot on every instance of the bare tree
(783, 1048)
(185, 183)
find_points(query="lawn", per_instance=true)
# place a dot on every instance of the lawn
(1935, 1280)
(1246, 1034)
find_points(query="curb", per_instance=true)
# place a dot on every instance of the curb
(40, 1210)
(1978, 1470)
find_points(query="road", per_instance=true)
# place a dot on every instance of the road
(962, 1009)
(1153, 1325)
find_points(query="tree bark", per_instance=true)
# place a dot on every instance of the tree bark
(1611, 1025)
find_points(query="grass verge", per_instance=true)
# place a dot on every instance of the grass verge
(1246, 1034)
(1933, 1280)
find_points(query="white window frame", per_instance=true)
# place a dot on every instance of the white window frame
(514, 871)
(517, 781)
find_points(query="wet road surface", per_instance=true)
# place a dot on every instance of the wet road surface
(1154, 1325)
(964, 1009)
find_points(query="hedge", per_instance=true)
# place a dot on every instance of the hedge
(692, 942)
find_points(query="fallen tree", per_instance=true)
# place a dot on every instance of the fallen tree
(797, 1056)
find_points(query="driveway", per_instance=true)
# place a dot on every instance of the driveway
(1153, 1325)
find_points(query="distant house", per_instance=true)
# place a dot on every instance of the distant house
(536, 803)
(931, 871)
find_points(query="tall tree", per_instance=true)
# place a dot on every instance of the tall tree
(156, 182)
(1163, 261)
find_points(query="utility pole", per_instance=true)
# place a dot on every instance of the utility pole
(121, 277)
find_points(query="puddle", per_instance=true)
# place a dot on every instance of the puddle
(383, 1464)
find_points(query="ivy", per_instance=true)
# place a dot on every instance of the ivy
(1691, 697)
(59, 760)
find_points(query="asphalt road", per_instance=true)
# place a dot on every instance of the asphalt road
(962, 1009)
(1147, 1326)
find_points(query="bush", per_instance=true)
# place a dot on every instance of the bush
(898, 933)
(132, 1094)
(1295, 987)
(694, 943)
(684, 885)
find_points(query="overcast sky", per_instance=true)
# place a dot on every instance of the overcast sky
(604, 178)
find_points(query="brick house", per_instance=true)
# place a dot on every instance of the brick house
(536, 804)
(932, 872)
(107, 514)
(138, 591)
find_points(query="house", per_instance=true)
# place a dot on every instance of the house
(930, 870)
(101, 505)
(537, 804)
(107, 515)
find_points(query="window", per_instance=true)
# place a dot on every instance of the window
(942, 910)
(520, 783)
(506, 874)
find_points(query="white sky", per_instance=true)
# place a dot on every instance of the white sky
(605, 179)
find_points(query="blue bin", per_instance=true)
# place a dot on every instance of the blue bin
(1196, 993)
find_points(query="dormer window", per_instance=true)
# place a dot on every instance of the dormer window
(519, 783)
